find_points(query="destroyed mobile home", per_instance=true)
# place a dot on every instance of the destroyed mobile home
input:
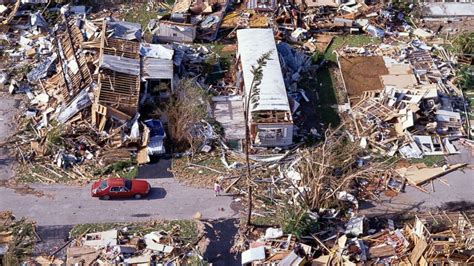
(84, 94)
(444, 237)
(402, 101)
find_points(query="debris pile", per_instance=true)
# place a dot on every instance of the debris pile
(17, 238)
(433, 237)
(83, 92)
(124, 246)
(190, 20)
(410, 106)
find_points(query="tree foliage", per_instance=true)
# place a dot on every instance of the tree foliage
(464, 43)
(257, 72)
(187, 108)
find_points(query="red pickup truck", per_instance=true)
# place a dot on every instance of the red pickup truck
(120, 188)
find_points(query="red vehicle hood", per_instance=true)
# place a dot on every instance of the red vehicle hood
(95, 188)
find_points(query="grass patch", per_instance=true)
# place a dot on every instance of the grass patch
(189, 230)
(430, 161)
(327, 96)
(323, 84)
(139, 14)
(263, 221)
(212, 161)
(218, 62)
(329, 116)
(126, 169)
(201, 176)
(170, 2)
(349, 40)
(36, 174)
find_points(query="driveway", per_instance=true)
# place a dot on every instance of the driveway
(454, 194)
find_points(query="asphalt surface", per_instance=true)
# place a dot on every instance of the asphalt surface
(64, 205)
(458, 195)
(7, 112)
(455, 194)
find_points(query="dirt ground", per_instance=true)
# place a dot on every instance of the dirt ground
(449, 26)
(362, 74)
(338, 84)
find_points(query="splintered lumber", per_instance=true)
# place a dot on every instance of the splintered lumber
(381, 251)
(205, 167)
(418, 251)
(417, 176)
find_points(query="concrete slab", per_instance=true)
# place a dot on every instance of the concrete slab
(229, 112)
(448, 10)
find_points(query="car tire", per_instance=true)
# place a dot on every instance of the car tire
(107, 197)
(137, 196)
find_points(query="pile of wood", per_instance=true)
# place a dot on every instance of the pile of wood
(434, 237)
(17, 238)
(120, 246)
(313, 178)
(77, 120)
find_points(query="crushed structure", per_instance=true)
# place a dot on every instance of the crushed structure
(333, 123)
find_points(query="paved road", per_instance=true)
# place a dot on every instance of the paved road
(7, 112)
(73, 204)
(457, 196)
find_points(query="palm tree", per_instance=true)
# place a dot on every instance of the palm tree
(253, 98)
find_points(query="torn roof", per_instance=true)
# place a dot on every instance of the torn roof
(121, 64)
(125, 30)
(252, 44)
(155, 68)
(156, 51)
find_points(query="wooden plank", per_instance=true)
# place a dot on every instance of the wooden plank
(418, 251)
(417, 176)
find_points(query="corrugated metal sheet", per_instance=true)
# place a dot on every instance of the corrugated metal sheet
(121, 64)
(252, 43)
(155, 68)
(176, 32)
(156, 51)
(125, 30)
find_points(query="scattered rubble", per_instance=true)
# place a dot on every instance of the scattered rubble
(432, 237)
(104, 94)
(17, 239)
(137, 243)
